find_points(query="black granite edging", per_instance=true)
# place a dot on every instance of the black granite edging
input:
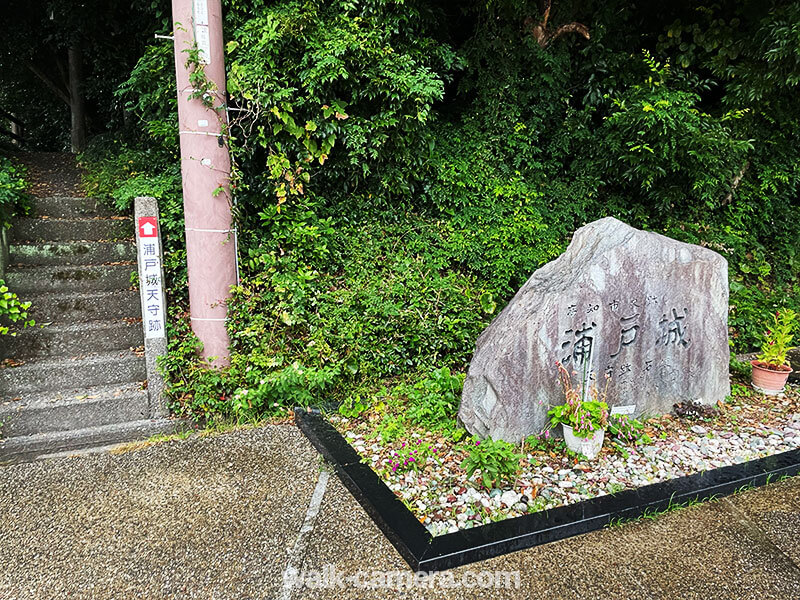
(424, 552)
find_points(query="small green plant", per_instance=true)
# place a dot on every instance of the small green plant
(615, 487)
(628, 430)
(13, 196)
(778, 339)
(390, 428)
(458, 434)
(353, 407)
(539, 503)
(497, 460)
(433, 401)
(584, 416)
(740, 390)
(13, 309)
(546, 442)
(412, 456)
(740, 367)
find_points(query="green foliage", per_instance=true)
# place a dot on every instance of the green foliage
(353, 406)
(778, 338)
(12, 310)
(433, 401)
(390, 428)
(665, 151)
(403, 167)
(547, 443)
(195, 390)
(740, 368)
(497, 461)
(411, 456)
(149, 93)
(295, 339)
(584, 415)
(117, 171)
(13, 197)
(336, 92)
(627, 431)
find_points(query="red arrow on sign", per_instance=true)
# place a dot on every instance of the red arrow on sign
(148, 227)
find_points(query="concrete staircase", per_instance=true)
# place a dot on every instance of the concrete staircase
(80, 381)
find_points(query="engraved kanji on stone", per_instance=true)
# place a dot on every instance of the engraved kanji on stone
(627, 334)
(580, 349)
(673, 331)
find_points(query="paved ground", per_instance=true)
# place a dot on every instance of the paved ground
(221, 517)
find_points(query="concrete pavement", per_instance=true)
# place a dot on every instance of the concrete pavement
(221, 517)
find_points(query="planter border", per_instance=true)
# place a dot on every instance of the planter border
(425, 553)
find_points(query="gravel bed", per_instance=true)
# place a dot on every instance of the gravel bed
(751, 426)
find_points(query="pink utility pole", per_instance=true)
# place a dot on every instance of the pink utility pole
(206, 169)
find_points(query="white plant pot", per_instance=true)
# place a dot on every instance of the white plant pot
(588, 446)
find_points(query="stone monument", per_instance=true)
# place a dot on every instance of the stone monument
(649, 312)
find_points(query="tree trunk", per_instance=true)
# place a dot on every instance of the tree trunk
(76, 100)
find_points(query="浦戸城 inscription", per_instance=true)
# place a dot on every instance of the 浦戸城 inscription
(635, 311)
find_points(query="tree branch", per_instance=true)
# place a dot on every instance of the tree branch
(48, 82)
(543, 35)
(573, 27)
(735, 183)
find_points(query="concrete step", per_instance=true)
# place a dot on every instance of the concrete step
(67, 207)
(68, 340)
(41, 445)
(35, 280)
(58, 374)
(73, 409)
(80, 229)
(77, 307)
(75, 253)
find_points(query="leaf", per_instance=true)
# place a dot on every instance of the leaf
(487, 303)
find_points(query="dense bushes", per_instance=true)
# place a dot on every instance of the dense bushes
(13, 195)
(402, 167)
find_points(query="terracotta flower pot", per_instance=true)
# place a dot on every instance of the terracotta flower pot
(769, 381)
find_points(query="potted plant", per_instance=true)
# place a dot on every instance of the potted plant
(583, 417)
(770, 369)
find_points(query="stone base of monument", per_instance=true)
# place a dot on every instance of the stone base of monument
(428, 553)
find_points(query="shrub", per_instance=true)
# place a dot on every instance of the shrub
(497, 461)
(12, 310)
(13, 197)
